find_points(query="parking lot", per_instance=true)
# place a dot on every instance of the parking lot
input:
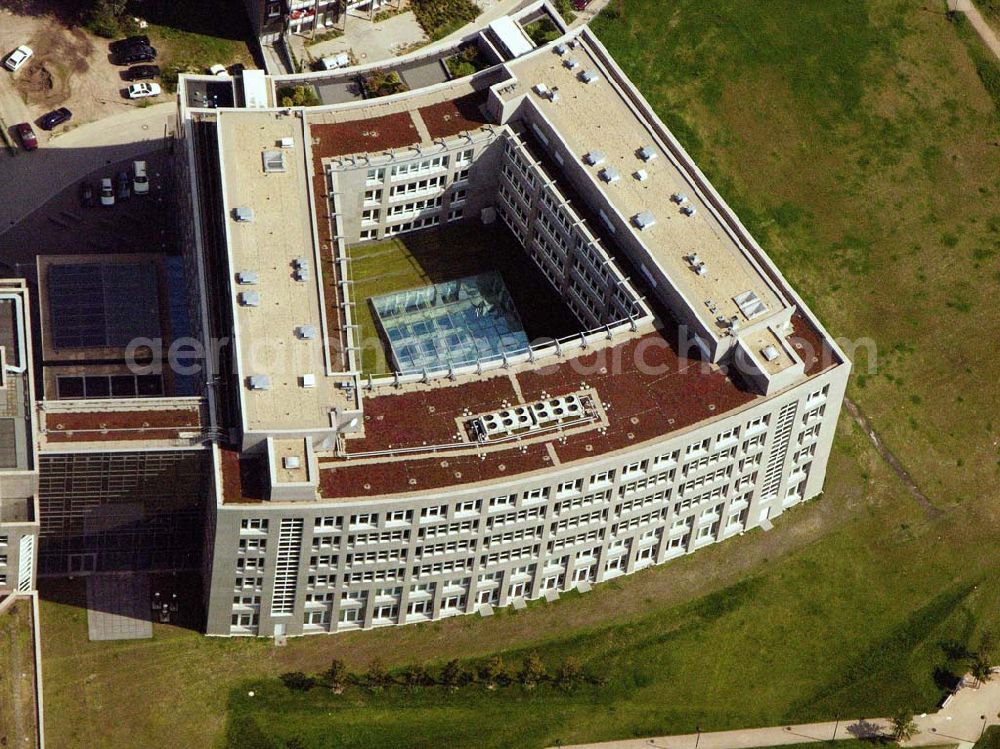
(138, 224)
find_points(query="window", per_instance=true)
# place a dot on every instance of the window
(375, 175)
(253, 524)
(569, 487)
(417, 167)
(464, 157)
(328, 522)
(536, 495)
(367, 234)
(245, 620)
(399, 516)
(370, 216)
(458, 196)
(601, 479)
(253, 544)
(455, 214)
(500, 503)
(373, 196)
(461, 175)
(431, 513)
(365, 518)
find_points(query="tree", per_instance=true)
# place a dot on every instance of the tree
(298, 681)
(298, 96)
(450, 674)
(980, 667)
(495, 673)
(416, 676)
(532, 671)
(103, 17)
(569, 675)
(377, 677)
(380, 82)
(336, 676)
(903, 725)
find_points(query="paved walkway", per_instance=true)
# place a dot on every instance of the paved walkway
(31, 179)
(961, 722)
(118, 607)
(979, 23)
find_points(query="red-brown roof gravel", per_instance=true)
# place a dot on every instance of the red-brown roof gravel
(86, 426)
(243, 478)
(364, 136)
(455, 116)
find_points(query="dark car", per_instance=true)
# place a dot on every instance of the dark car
(137, 54)
(580, 4)
(142, 73)
(123, 187)
(54, 118)
(28, 139)
(86, 194)
(133, 41)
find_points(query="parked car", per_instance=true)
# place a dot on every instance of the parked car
(107, 192)
(580, 4)
(140, 182)
(142, 72)
(86, 193)
(29, 142)
(133, 55)
(54, 118)
(142, 90)
(121, 45)
(123, 190)
(17, 58)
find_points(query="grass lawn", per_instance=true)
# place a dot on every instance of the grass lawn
(990, 739)
(191, 35)
(857, 142)
(435, 255)
(17, 678)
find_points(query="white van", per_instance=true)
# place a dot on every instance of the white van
(140, 183)
(342, 60)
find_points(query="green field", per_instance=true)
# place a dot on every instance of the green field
(858, 142)
(17, 677)
(435, 255)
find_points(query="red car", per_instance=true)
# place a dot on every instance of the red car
(28, 140)
(580, 4)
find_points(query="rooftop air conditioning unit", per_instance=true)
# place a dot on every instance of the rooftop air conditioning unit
(260, 382)
(286, 142)
(589, 76)
(243, 213)
(688, 210)
(644, 220)
(609, 174)
(594, 158)
(679, 197)
(571, 63)
(559, 49)
(302, 274)
(291, 462)
(770, 353)
(642, 175)
(250, 298)
(306, 332)
(308, 380)
(541, 89)
(300, 262)
(647, 153)
(247, 277)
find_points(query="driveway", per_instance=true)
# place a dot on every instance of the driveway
(31, 179)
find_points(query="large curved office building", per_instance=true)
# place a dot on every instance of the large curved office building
(598, 371)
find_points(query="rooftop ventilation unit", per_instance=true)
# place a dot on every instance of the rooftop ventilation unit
(286, 142)
(541, 89)
(244, 213)
(642, 175)
(750, 304)
(301, 262)
(554, 95)
(250, 298)
(589, 76)
(247, 277)
(647, 153)
(260, 382)
(306, 332)
(274, 161)
(532, 417)
(291, 462)
(571, 63)
(594, 158)
(688, 210)
(308, 380)
(609, 174)
(302, 274)
(679, 197)
(644, 220)
(559, 49)
(770, 353)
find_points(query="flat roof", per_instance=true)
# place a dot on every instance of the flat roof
(271, 245)
(597, 116)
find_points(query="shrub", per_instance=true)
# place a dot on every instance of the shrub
(377, 677)
(438, 18)
(383, 83)
(542, 31)
(103, 17)
(532, 671)
(336, 676)
(569, 675)
(298, 96)
(495, 673)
